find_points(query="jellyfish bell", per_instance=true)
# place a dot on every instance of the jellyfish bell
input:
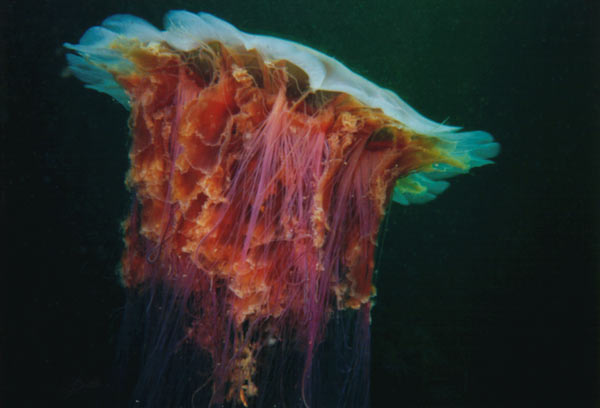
(261, 170)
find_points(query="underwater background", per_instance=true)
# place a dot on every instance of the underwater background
(487, 296)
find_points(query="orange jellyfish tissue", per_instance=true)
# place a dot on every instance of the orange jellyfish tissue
(261, 170)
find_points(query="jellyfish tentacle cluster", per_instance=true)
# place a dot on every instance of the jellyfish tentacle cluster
(261, 170)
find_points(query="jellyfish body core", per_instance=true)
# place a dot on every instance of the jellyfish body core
(261, 170)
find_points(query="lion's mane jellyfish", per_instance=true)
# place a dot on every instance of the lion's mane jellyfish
(260, 172)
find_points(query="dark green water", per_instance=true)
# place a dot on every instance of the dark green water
(488, 296)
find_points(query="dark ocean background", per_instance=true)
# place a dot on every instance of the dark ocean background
(487, 296)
